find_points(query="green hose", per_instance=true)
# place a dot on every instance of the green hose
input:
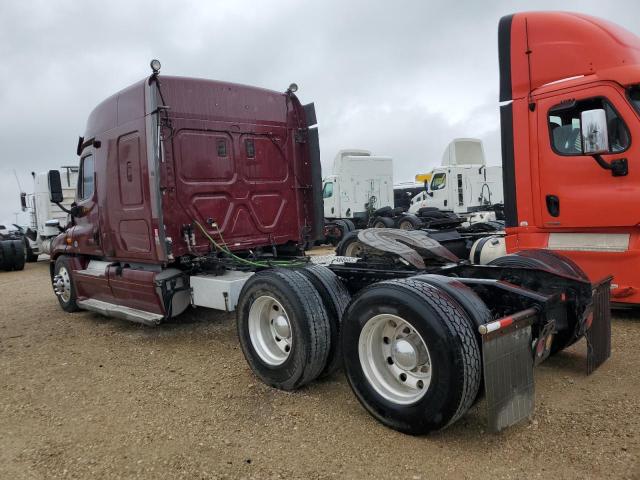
(262, 264)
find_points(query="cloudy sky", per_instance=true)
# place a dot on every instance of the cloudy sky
(400, 78)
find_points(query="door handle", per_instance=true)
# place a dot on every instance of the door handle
(553, 205)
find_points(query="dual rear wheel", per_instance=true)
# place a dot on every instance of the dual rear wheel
(409, 348)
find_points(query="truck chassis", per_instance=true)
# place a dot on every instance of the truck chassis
(421, 334)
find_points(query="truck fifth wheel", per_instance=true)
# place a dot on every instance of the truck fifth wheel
(202, 193)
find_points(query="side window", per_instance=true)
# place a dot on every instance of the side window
(327, 191)
(85, 183)
(439, 181)
(564, 126)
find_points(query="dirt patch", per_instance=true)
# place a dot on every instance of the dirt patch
(82, 396)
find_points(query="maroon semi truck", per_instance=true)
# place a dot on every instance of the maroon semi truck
(203, 193)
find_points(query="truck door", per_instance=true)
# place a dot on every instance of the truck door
(439, 191)
(129, 195)
(575, 191)
(87, 230)
(331, 197)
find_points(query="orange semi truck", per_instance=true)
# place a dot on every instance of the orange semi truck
(570, 127)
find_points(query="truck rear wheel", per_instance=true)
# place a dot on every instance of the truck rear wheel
(350, 246)
(335, 297)
(283, 327)
(408, 222)
(410, 355)
(63, 285)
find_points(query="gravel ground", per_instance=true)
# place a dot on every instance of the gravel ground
(82, 396)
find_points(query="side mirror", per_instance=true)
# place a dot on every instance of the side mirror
(23, 201)
(55, 187)
(593, 126)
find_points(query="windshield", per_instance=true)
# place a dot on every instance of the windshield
(633, 93)
(327, 191)
(438, 181)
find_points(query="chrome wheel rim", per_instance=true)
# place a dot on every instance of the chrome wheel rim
(395, 359)
(62, 284)
(270, 330)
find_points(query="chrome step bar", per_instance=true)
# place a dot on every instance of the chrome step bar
(119, 311)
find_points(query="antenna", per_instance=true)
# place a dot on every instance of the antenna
(15, 174)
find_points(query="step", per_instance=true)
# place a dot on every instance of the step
(120, 311)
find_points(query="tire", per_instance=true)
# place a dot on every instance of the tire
(350, 225)
(350, 246)
(286, 365)
(469, 301)
(383, 222)
(408, 222)
(63, 281)
(427, 210)
(19, 254)
(30, 257)
(5, 255)
(335, 298)
(383, 211)
(343, 226)
(12, 255)
(441, 325)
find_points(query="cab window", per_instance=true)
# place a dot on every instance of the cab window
(85, 183)
(327, 191)
(564, 126)
(439, 181)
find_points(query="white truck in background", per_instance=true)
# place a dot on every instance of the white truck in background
(360, 185)
(463, 184)
(46, 218)
(359, 181)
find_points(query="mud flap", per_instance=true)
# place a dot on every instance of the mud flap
(508, 369)
(598, 332)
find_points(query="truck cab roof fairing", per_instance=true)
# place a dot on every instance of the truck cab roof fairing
(560, 45)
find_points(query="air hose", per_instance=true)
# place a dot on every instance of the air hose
(262, 264)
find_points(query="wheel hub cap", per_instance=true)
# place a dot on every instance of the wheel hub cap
(281, 327)
(404, 354)
(62, 284)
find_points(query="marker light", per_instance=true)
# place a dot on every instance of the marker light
(155, 65)
(293, 88)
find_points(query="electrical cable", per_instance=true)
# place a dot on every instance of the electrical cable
(266, 263)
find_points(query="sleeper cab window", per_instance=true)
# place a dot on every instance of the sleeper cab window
(86, 186)
(564, 126)
(438, 181)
